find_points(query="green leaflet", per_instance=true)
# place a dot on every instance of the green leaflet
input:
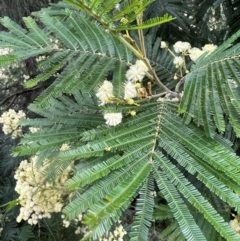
(185, 220)
(7, 59)
(148, 24)
(144, 212)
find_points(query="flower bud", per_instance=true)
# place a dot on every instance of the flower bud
(132, 112)
(130, 101)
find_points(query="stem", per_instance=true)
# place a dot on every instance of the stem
(144, 58)
(181, 81)
(18, 93)
(151, 97)
(170, 51)
(140, 35)
(133, 42)
(128, 45)
(158, 81)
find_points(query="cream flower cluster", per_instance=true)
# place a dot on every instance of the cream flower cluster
(154, 193)
(115, 235)
(105, 92)
(113, 119)
(195, 53)
(10, 121)
(217, 19)
(5, 51)
(185, 48)
(25, 78)
(134, 74)
(77, 222)
(180, 47)
(178, 61)
(235, 223)
(7, 75)
(132, 89)
(33, 129)
(40, 58)
(137, 71)
(38, 198)
(66, 222)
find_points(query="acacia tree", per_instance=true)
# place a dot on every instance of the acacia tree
(115, 115)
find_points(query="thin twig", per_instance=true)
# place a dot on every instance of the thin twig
(18, 93)
(140, 34)
(181, 81)
(145, 59)
(157, 80)
(11, 102)
(151, 97)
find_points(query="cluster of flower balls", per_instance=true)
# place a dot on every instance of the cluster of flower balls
(10, 121)
(37, 196)
(116, 235)
(185, 49)
(132, 89)
(77, 222)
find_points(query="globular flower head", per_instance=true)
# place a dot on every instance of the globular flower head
(129, 90)
(10, 121)
(178, 61)
(180, 47)
(195, 53)
(132, 112)
(163, 44)
(139, 63)
(105, 92)
(135, 73)
(209, 47)
(113, 119)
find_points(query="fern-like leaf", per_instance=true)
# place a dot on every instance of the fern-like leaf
(148, 24)
(144, 210)
(211, 89)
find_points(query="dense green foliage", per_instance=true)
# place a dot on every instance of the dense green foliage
(177, 149)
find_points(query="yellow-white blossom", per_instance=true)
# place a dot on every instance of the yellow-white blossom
(178, 60)
(180, 47)
(235, 223)
(129, 90)
(5, 51)
(195, 53)
(139, 63)
(105, 92)
(116, 235)
(37, 196)
(163, 44)
(10, 121)
(209, 47)
(113, 119)
(135, 73)
(33, 129)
